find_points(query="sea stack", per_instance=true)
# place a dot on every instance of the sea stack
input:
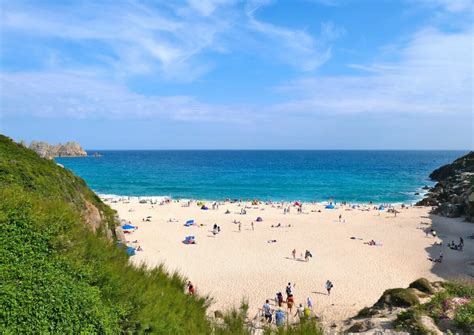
(70, 149)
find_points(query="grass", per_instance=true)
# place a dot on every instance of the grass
(441, 307)
(58, 276)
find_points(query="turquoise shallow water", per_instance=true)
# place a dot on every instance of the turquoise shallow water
(362, 176)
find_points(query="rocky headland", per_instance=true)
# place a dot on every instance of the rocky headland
(46, 150)
(453, 194)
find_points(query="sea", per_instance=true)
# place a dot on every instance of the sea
(306, 175)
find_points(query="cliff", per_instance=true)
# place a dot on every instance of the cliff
(62, 270)
(453, 195)
(45, 150)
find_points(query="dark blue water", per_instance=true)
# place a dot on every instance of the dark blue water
(379, 176)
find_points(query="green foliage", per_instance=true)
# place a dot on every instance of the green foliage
(464, 315)
(439, 307)
(398, 297)
(409, 320)
(234, 322)
(422, 285)
(57, 276)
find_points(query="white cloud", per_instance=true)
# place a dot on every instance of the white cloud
(167, 40)
(434, 74)
(81, 95)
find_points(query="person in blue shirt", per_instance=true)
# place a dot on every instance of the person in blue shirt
(279, 318)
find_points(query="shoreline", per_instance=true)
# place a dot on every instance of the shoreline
(237, 263)
(422, 193)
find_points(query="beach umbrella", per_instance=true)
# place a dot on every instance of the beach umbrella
(330, 206)
(128, 226)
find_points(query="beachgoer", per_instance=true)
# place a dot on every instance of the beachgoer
(279, 299)
(252, 226)
(309, 303)
(329, 286)
(279, 318)
(267, 311)
(290, 301)
(294, 253)
(191, 289)
(300, 311)
(240, 226)
(340, 217)
(288, 290)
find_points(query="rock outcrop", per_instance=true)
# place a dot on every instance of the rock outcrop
(70, 149)
(453, 195)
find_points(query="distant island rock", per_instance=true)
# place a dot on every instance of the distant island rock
(46, 150)
(453, 195)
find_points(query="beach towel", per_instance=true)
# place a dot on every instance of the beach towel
(128, 226)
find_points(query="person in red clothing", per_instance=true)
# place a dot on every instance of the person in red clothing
(290, 301)
(191, 289)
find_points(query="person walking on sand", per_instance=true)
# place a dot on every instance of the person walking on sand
(329, 286)
(294, 253)
(299, 312)
(289, 290)
(340, 217)
(309, 303)
(252, 226)
(290, 301)
(240, 227)
(267, 311)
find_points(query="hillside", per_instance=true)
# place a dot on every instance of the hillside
(62, 271)
(453, 195)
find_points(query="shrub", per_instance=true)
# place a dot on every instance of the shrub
(423, 285)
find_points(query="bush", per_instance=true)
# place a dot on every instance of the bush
(398, 297)
(423, 285)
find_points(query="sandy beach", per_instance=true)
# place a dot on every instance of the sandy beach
(237, 264)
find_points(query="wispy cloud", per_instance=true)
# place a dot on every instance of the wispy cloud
(433, 75)
(167, 39)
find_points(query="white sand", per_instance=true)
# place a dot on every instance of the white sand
(233, 265)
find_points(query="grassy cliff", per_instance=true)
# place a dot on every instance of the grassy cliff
(61, 272)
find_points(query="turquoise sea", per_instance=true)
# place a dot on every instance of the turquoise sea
(357, 176)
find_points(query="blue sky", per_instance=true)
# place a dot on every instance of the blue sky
(215, 74)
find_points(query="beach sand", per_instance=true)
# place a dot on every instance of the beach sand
(233, 265)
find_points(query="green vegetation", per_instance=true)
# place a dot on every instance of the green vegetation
(454, 305)
(64, 273)
(57, 276)
(398, 297)
(422, 285)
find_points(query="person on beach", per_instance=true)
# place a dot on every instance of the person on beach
(280, 318)
(329, 286)
(240, 227)
(191, 289)
(290, 301)
(309, 303)
(294, 253)
(340, 217)
(289, 290)
(307, 255)
(299, 312)
(252, 226)
(279, 299)
(267, 311)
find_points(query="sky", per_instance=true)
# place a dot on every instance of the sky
(224, 74)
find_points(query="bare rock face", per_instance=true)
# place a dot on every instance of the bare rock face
(453, 195)
(70, 149)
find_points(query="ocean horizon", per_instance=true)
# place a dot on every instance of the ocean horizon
(379, 176)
